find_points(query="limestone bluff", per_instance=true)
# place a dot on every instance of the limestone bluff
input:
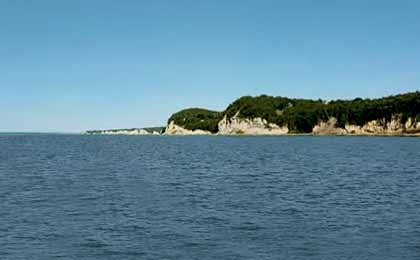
(268, 115)
(128, 131)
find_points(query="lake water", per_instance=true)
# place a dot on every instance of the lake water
(157, 197)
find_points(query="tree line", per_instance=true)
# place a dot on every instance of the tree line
(301, 115)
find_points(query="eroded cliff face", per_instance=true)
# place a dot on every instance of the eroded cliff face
(395, 126)
(328, 128)
(259, 126)
(255, 126)
(174, 129)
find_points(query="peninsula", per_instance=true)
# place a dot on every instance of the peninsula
(128, 131)
(269, 115)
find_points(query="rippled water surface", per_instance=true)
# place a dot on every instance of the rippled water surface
(133, 197)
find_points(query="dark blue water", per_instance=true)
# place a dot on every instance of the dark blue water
(132, 197)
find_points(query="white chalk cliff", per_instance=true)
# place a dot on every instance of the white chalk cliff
(260, 126)
(174, 129)
(135, 131)
(246, 126)
(395, 126)
(233, 126)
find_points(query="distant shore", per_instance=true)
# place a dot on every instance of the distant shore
(397, 115)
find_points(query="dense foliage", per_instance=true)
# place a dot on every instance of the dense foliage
(360, 111)
(197, 118)
(296, 113)
(301, 115)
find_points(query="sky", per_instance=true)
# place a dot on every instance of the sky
(69, 66)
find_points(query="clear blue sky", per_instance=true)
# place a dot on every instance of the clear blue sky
(76, 65)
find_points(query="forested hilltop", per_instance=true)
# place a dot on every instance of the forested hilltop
(302, 115)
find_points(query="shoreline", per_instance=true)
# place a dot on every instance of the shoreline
(262, 135)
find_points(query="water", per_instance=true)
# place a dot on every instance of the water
(133, 197)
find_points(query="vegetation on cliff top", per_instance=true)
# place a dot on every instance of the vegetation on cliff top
(301, 115)
(197, 118)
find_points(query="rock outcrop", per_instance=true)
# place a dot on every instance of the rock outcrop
(174, 129)
(395, 126)
(328, 128)
(254, 126)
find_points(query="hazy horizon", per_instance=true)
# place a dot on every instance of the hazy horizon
(73, 66)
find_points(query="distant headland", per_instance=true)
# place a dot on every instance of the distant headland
(269, 115)
(129, 131)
